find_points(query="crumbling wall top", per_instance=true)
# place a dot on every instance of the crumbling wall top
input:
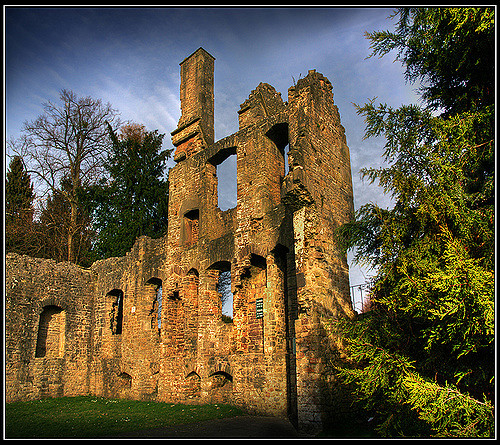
(262, 103)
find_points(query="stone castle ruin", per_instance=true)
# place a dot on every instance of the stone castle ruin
(73, 331)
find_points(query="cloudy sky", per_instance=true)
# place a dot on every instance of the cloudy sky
(130, 58)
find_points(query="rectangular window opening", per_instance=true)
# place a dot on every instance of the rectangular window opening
(226, 188)
(226, 296)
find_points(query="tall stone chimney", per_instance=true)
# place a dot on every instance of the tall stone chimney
(195, 130)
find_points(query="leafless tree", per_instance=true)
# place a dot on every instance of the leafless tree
(68, 142)
(224, 286)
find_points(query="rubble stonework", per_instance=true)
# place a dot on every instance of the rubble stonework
(72, 331)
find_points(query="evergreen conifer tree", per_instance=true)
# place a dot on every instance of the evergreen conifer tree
(19, 209)
(422, 359)
(133, 202)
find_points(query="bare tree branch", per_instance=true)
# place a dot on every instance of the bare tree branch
(67, 142)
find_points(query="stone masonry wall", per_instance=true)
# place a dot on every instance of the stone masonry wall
(49, 308)
(100, 331)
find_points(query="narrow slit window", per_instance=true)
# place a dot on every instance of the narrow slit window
(226, 296)
(285, 156)
(51, 332)
(225, 163)
(155, 312)
(279, 135)
(116, 312)
(158, 300)
(226, 187)
(192, 226)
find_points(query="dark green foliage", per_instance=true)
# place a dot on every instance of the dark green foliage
(19, 193)
(19, 197)
(46, 237)
(424, 355)
(451, 49)
(134, 200)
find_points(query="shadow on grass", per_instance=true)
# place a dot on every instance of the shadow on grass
(87, 416)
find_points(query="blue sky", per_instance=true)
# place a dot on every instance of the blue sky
(130, 58)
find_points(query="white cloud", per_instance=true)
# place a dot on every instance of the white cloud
(130, 58)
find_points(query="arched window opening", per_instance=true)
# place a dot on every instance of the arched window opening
(191, 283)
(223, 287)
(220, 387)
(191, 227)
(279, 135)
(51, 332)
(116, 312)
(193, 385)
(124, 381)
(175, 296)
(155, 312)
(258, 261)
(221, 379)
(253, 288)
(226, 296)
(258, 266)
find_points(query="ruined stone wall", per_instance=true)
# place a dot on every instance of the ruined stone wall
(126, 337)
(101, 330)
(48, 336)
(321, 177)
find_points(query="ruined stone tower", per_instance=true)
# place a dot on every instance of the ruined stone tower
(195, 130)
(277, 244)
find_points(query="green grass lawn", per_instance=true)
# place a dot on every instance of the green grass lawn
(99, 417)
